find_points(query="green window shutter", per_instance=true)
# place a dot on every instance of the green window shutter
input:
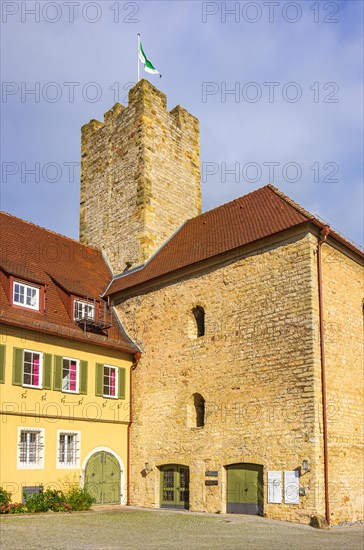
(18, 359)
(83, 377)
(57, 374)
(47, 371)
(122, 373)
(2, 364)
(99, 386)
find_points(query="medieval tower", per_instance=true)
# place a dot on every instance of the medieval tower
(140, 177)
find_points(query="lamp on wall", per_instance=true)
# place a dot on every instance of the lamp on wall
(305, 466)
(147, 468)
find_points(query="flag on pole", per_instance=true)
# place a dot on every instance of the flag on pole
(148, 66)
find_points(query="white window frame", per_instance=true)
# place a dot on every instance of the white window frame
(64, 465)
(40, 369)
(25, 287)
(39, 464)
(84, 311)
(116, 382)
(77, 374)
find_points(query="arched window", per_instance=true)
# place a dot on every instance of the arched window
(199, 315)
(199, 404)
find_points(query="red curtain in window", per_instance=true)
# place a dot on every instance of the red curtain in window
(35, 370)
(112, 383)
(73, 375)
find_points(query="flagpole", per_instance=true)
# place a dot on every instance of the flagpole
(138, 57)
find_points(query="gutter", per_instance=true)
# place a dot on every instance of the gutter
(137, 357)
(324, 232)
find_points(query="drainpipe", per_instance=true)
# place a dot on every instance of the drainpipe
(137, 357)
(324, 232)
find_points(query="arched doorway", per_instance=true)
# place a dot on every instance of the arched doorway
(174, 486)
(102, 478)
(245, 489)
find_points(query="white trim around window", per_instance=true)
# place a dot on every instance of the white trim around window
(110, 381)
(70, 375)
(25, 295)
(83, 310)
(68, 449)
(30, 448)
(32, 369)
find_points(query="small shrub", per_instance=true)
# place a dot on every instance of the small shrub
(5, 498)
(79, 498)
(16, 508)
(36, 503)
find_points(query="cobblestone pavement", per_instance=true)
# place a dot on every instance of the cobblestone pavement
(138, 529)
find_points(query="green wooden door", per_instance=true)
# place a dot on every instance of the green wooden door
(102, 478)
(174, 486)
(245, 489)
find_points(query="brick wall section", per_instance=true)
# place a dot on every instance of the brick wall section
(255, 367)
(343, 287)
(140, 176)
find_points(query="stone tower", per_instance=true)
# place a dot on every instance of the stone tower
(140, 177)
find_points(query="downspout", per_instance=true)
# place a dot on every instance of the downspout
(324, 232)
(137, 356)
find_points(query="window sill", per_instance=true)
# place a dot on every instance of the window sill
(196, 428)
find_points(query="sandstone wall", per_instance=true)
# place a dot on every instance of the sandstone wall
(255, 367)
(343, 286)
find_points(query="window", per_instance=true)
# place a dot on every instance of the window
(31, 444)
(83, 310)
(196, 411)
(26, 295)
(68, 449)
(199, 315)
(110, 381)
(70, 375)
(32, 369)
(199, 404)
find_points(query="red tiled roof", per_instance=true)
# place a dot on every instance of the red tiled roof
(38, 255)
(259, 214)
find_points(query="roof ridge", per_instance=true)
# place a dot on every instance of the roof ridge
(230, 202)
(49, 231)
(291, 202)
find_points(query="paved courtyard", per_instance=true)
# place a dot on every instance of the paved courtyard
(137, 529)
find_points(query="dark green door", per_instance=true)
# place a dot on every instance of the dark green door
(174, 486)
(245, 489)
(102, 478)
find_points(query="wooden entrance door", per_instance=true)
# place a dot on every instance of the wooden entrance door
(174, 486)
(102, 478)
(245, 489)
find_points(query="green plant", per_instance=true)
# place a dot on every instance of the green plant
(79, 498)
(5, 498)
(36, 503)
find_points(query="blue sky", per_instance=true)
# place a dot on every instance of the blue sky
(295, 118)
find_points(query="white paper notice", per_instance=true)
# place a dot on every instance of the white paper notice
(275, 487)
(291, 487)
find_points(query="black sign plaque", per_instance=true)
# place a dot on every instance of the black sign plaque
(211, 482)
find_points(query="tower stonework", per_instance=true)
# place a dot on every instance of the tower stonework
(140, 177)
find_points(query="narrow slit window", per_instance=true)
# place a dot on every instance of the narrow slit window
(199, 404)
(199, 315)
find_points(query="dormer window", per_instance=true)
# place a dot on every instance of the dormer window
(26, 295)
(84, 310)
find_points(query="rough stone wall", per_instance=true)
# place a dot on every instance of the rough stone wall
(343, 286)
(140, 177)
(255, 367)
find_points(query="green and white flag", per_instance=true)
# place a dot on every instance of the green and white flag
(148, 66)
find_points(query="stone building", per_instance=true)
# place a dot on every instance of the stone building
(249, 319)
(240, 332)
